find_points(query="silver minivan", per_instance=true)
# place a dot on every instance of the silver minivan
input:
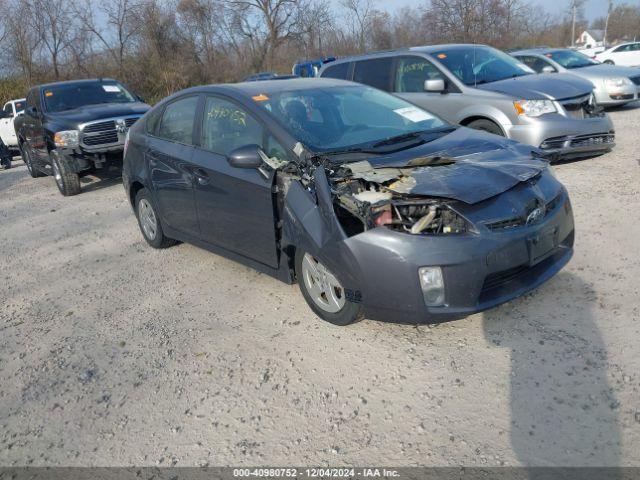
(481, 87)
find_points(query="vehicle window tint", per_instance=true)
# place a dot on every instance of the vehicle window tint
(177, 120)
(153, 119)
(8, 108)
(623, 48)
(534, 63)
(227, 126)
(636, 46)
(340, 71)
(412, 72)
(375, 72)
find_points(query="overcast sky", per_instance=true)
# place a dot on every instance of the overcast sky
(593, 8)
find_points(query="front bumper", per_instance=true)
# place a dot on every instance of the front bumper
(563, 137)
(480, 270)
(620, 96)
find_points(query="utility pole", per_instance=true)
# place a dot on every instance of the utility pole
(606, 24)
(574, 8)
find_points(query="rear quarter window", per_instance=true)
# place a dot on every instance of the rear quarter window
(339, 71)
(375, 72)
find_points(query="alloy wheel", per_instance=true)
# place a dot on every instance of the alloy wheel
(324, 288)
(57, 175)
(147, 219)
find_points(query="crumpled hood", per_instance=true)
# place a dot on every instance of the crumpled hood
(541, 87)
(482, 166)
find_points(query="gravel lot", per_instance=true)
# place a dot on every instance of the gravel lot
(112, 353)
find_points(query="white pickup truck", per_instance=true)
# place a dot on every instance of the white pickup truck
(9, 112)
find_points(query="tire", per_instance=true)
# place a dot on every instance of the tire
(609, 62)
(25, 153)
(67, 180)
(149, 222)
(5, 163)
(487, 126)
(330, 304)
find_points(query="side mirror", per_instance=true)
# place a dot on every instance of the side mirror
(548, 69)
(245, 157)
(31, 111)
(434, 85)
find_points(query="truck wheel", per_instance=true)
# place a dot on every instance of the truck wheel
(5, 163)
(323, 291)
(25, 153)
(149, 221)
(67, 180)
(487, 126)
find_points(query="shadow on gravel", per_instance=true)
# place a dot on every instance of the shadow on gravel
(10, 177)
(563, 410)
(100, 179)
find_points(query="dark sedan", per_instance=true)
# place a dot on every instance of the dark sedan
(377, 208)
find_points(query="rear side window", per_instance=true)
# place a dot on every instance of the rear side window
(177, 120)
(375, 72)
(534, 63)
(153, 120)
(340, 71)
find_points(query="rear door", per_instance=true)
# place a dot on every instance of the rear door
(168, 155)
(236, 207)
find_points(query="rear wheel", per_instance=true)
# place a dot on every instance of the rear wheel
(324, 292)
(67, 180)
(609, 62)
(149, 221)
(25, 153)
(487, 126)
(5, 163)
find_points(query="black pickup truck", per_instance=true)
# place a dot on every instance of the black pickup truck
(70, 128)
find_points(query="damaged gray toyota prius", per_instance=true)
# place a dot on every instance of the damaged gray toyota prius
(377, 208)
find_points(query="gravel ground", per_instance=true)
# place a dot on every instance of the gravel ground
(112, 353)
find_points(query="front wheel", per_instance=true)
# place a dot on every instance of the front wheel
(324, 292)
(149, 221)
(487, 126)
(67, 180)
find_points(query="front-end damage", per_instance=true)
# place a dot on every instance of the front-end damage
(377, 225)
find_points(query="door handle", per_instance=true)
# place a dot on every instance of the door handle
(201, 174)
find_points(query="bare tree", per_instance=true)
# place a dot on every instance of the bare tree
(360, 14)
(53, 21)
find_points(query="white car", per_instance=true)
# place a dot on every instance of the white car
(625, 55)
(10, 110)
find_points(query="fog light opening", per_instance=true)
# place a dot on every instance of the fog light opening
(432, 285)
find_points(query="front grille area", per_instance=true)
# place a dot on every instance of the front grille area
(103, 132)
(592, 140)
(578, 107)
(636, 80)
(515, 222)
(595, 139)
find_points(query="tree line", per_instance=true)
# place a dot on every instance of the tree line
(160, 46)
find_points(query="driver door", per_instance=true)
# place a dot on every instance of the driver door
(235, 206)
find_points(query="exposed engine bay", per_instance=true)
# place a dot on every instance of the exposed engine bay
(366, 198)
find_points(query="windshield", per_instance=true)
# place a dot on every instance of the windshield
(475, 65)
(62, 97)
(341, 118)
(569, 59)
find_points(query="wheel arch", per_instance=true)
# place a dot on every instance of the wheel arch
(466, 121)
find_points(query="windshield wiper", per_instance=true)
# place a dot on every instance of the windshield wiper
(399, 138)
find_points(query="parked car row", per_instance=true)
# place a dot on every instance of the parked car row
(410, 186)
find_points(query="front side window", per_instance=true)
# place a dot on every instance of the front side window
(412, 72)
(8, 109)
(570, 59)
(227, 126)
(535, 63)
(336, 118)
(375, 72)
(475, 65)
(178, 119)
(339, 71)
(69, 96)
(19, 107)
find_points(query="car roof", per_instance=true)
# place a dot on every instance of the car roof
(539, 51)
(428, 49)
(72, 82)
(266, 87)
